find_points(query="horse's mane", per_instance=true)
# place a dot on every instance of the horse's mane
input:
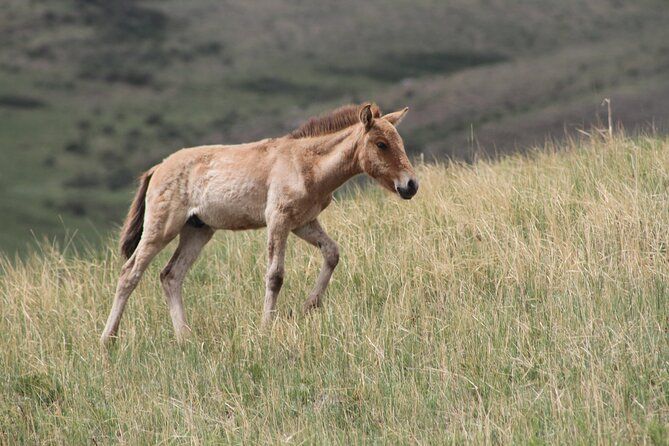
(333, 121)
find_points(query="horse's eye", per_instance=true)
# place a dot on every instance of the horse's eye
(382, 145)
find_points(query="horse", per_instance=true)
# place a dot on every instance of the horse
(280, 183)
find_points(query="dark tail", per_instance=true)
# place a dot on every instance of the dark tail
(134, 222)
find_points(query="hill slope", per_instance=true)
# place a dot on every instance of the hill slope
(521, 301)
(92, 92)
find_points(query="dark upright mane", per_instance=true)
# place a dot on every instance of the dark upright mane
(333, 121)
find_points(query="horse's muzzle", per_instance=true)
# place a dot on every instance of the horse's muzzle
(409, 190)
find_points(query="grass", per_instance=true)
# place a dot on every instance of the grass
(522, 301)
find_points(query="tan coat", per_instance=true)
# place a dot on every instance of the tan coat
(281, 183)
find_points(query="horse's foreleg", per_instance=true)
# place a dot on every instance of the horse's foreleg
(191, 242)
(313, 233)
(276, 249)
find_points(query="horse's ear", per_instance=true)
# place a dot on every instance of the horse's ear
(396, 117)
(367, 117)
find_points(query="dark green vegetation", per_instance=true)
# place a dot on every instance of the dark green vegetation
(92, 92)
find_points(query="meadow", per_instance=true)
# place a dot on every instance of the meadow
(517, 301)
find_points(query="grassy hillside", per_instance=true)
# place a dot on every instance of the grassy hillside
(523, 301)
(92, 92)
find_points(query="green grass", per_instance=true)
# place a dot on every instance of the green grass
(523, 301)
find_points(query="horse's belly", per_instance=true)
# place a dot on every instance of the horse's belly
(236, 208)
(235, 222)
(232, 213)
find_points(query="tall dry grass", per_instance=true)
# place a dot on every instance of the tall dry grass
(522, 301)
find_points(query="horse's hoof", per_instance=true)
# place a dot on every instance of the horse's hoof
(107, 341)
(184, 334)
(310, 304)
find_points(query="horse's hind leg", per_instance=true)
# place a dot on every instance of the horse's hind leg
(131, 273)
(191, 241)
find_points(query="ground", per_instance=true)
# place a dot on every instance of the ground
(520, 301)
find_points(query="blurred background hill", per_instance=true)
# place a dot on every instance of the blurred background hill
(93, 92)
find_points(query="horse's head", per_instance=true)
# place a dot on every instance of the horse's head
(381, 153)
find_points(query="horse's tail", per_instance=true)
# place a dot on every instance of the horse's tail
(134, 222)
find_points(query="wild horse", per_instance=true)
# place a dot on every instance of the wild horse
(281, 183)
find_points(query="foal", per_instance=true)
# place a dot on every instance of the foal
(282, 183)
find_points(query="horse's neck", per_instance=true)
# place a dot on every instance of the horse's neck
(336, 159)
